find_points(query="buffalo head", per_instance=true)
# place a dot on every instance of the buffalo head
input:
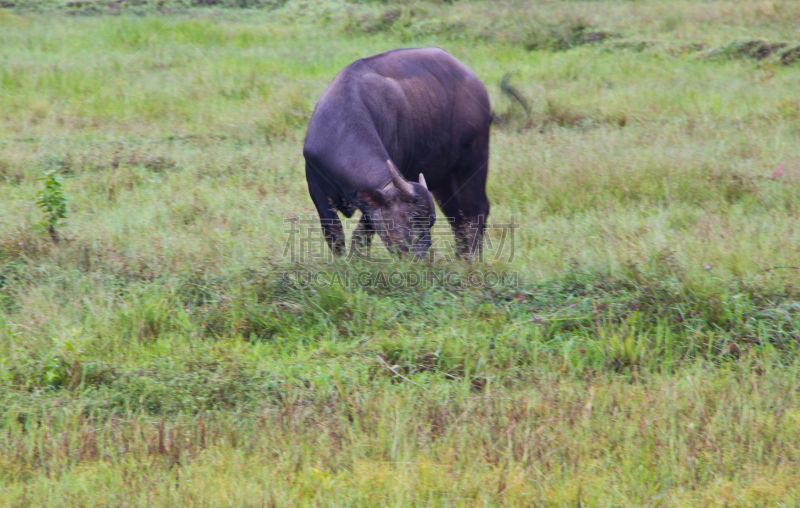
(402, 213)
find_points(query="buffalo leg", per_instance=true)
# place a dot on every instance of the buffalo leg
(471, 176)
(450, 203)
(475, 208)
(466, 208)
(329, 220)
(334, 234)
(361, 241)
(464, 200)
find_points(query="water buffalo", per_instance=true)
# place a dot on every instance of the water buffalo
(391, 132)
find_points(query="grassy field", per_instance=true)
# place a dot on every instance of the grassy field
(639, 348)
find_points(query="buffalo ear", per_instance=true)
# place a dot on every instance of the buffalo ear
(372, 197)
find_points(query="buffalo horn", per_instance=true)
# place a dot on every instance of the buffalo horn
(404, 188)
(422, 181)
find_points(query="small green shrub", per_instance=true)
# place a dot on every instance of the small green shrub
(53, 203)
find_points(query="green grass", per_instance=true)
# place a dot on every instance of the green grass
(641, 352)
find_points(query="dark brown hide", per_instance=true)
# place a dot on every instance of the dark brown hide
(426, 113)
